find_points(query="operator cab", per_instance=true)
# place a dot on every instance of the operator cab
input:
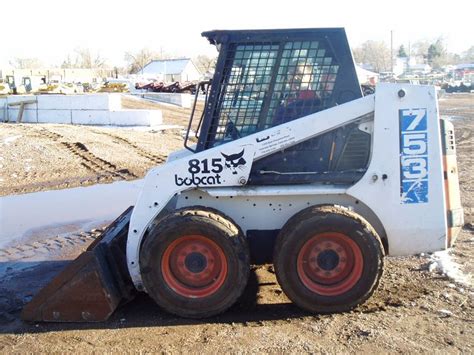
(264, 78)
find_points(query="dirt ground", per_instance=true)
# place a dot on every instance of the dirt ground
(415, 309)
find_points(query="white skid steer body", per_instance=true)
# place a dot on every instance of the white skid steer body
(401, 194)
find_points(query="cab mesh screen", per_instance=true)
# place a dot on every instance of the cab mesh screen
(266, 84)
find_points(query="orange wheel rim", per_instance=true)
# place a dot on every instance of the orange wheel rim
(194, 266)
(330, 264)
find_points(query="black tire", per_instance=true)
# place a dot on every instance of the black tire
(195, 262)
(328, 259)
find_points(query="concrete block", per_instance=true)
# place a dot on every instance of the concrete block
(187, 100)
(136, 118)
(54, 116)
(91, 117)
(18, 98)
(29, 116)
(115, 102)
(90, 102)
(183, 100)
(3, 108)
(156, 117)
(54, 102)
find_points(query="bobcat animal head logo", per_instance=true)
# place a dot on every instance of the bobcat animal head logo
(234, 161)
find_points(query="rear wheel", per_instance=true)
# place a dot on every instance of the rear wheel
(195, 262)
(328, 259)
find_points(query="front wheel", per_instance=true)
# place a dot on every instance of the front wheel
(195, 262)
(328, 259)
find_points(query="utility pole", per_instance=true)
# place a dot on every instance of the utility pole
(409, 56)
(391, 50)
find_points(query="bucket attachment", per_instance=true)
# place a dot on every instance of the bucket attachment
(91, 287)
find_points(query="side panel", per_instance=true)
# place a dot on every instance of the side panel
(269, 208)
(404, 182)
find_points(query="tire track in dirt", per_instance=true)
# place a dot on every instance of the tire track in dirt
(89, 160)
(48, 246)
(49, 134)
(158, 159)
(93, 163)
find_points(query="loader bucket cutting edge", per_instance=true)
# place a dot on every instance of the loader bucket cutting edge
(91, 287)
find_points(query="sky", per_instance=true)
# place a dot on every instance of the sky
(50, 29)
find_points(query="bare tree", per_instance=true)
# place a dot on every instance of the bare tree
(468, 56)
(26, 63)
(437, 54)
(67, 63)
(137, 60)
(420, 48)
(205, 63)
(86, 59)
(374, 53)
(434, 52)
(455, 58)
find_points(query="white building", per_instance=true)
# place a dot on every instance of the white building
(420, 69)
(171, 70)
(404, 65)
(74, 75)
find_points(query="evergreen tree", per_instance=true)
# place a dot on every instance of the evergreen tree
(401, 52)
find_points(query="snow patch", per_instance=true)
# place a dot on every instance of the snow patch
(443, 263)
(49, 213)
(11, 139)
(155, 128)
(445, 312)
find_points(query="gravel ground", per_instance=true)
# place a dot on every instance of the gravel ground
(415, 309)
(49, 156)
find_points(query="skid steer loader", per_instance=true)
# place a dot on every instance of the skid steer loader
(291, 165)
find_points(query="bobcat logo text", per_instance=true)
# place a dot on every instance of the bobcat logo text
(207, 172)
